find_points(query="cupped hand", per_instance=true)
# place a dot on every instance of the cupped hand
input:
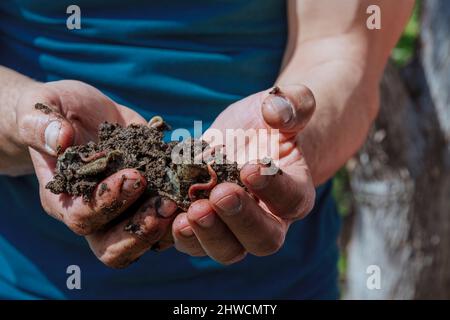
(74, 113)
(234, 222)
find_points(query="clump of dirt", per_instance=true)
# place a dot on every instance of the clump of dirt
(81, 168)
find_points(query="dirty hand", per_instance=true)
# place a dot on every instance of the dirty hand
(76, 110)
(232, 222)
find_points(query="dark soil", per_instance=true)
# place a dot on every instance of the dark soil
(81, 168)
(42, 107)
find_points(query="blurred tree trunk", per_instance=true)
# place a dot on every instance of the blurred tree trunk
(401, 177)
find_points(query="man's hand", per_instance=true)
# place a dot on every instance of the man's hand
(332, 52)
(232, 221)
(76, 110)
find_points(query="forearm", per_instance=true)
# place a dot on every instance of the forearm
(331, 51)
(14, 158)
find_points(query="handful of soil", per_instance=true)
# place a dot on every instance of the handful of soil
(81, 168)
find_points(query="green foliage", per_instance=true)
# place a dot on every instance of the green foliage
(405, 48)
(342, 192)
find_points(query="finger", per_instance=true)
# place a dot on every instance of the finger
(166, 208)
(126, 241)
(184, 237)
(288, 108)
(286, 195)
(111, 197)
(45, 129)
(214, 236)
(260, 232)
(165, 242)
(129, 116)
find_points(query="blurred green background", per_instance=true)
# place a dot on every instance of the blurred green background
(401, 55)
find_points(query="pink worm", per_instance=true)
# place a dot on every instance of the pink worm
(203, 186)
(93, 157)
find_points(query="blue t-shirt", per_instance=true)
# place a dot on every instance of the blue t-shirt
(184, 60)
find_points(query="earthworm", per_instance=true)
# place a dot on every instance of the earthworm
(93, 157)
(203, 186)
(156, 122)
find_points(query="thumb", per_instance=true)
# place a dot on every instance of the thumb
(288, 108)
(46, 130)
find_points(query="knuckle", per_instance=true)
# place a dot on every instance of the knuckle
(270, 246)
(118, 255)
(307, 208)
(198, 253)
(107, 210)
(116, 260)
(79, 224)
(306, 97)
(148, 225)
(235, 258)
(304, 194)
(189, 248)
(304, 103)
(294, 209)
(48, 208)
(305, 205)
(46, 205)
(232, 257)
(247, 220)
(26, 128)
(152, 230)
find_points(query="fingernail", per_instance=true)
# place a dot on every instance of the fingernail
(257, 181)
(51, 135)
(184, 227)
(281, 107)
(187, 232)
(130, 185)
(165, 208)
(207, 221)
(230, 204)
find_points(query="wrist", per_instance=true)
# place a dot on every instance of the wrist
(13, 85)
(14, 157)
